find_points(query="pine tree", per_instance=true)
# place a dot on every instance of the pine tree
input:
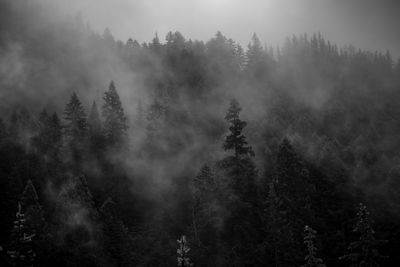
(21, 252)
(182, 251)
(254, 51)
(76, 192)
(292, 180)
(240, 175)
(77, 221)
(204, 182)
(75, 116)
(33, 210)
(118, 239)
(115, 126)
(288, 206)
(258, 62)
(281, 246)
(236, 140)
(364, 252)
(206, 210)
(155, 44)
(35, 222)
(240, 168)
(311, 257)
(76, 130)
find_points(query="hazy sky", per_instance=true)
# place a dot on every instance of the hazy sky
(368, 24)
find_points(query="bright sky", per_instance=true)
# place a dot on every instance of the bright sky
(368, 24)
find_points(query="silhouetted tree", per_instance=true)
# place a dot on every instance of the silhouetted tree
(115, 125)
(182, 251)
(236, 141)
(20, 251)
(288, 206)
(364, 252)
(311, 257)
(75, 116)
(76, 131)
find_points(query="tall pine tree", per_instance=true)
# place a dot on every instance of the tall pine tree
(242, 200)
(311, 257)
(76, 130)
(236, 141)
(75, 116)
(288, 206)
(20, 251)
(115, 125)
(364, 252)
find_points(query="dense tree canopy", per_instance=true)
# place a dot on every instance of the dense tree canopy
(315, 133)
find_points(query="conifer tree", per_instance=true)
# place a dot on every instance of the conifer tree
(75, 117)
(76, 130)
(155, 44)
(364, 252)
(76, 192)
(21, 252)
(292, 180)
(240, 168)
(311, 257)
(205, 210)
(182, 251)
(35, 222)
(117, 237)
(115, 125)
(33, 210)
(288, 206)
(242, 196)
(236, 140)
(204, 182)
(280, 240)
(254, 51)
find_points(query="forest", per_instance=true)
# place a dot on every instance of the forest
(180, 152)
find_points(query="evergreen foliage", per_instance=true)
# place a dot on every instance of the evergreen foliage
(182, 252)
(236, 141)
(365, 251)
(75, 116)
(337, 106)
(115, 126)
(311, 258)
(21, 251)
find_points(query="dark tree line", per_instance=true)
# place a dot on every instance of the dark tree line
(187, 177)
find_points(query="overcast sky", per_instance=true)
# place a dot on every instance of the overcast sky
(367, 24)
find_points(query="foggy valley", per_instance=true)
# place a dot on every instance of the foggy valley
(199, 133)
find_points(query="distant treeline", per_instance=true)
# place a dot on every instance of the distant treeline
(251, 156)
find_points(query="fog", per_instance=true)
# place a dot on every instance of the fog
(316, 85)
(368, 24)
